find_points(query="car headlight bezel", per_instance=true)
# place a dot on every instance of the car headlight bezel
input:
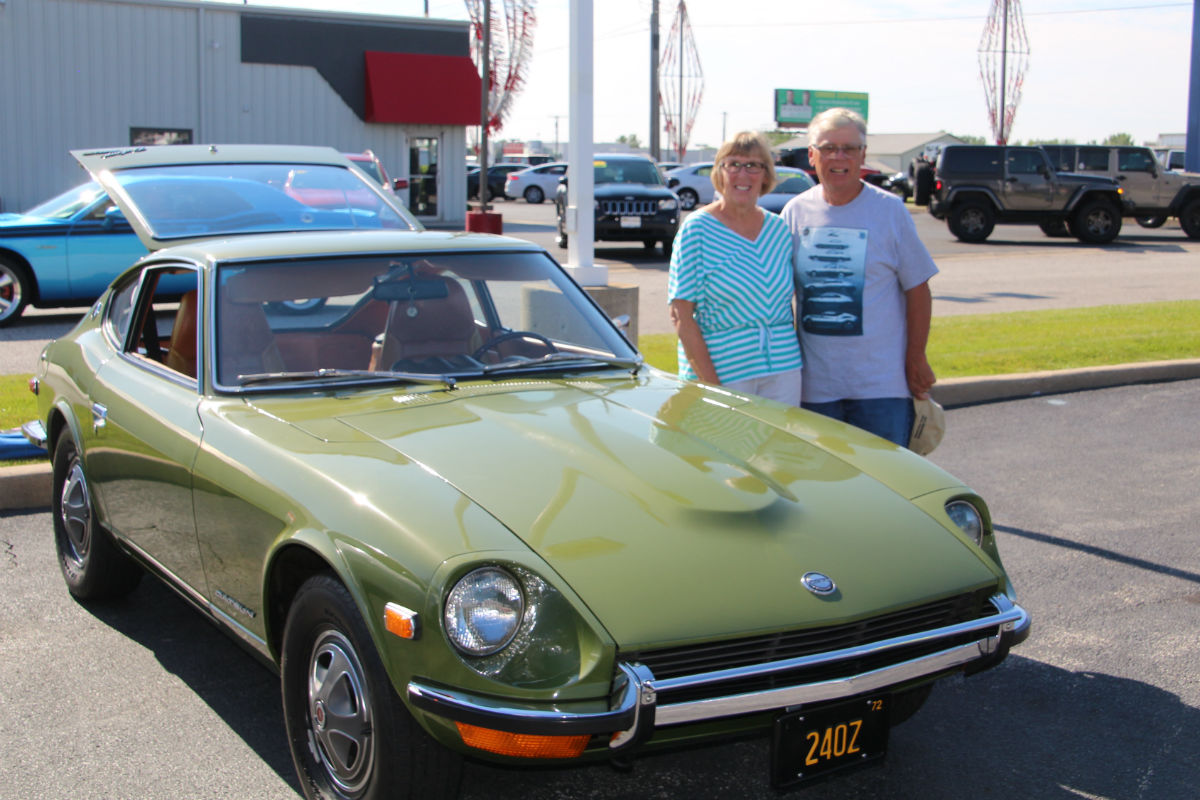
(967, 518)
(668, 204)
(483, 611)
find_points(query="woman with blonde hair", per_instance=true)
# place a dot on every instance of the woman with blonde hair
(731, 282)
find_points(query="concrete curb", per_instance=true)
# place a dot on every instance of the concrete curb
(28, 487)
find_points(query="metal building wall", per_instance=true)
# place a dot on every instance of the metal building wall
(81, 73)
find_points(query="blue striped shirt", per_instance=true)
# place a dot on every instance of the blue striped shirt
(742, 291)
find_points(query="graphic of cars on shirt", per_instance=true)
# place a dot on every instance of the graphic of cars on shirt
(830, 266)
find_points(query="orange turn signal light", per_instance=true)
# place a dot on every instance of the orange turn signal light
(400, 621)
(522, 745)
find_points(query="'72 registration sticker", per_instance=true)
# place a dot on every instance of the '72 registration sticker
(810, 743)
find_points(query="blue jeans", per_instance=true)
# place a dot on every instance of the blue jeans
(888, 417)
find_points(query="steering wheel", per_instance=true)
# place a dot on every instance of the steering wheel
(492, 343)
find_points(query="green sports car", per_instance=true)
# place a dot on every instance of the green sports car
(428, 480)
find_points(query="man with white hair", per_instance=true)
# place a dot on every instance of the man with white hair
(862, 282)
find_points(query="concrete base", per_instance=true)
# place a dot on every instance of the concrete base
(26, 486)
(618, 300)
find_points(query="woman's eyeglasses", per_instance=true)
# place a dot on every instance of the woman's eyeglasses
(749, 167)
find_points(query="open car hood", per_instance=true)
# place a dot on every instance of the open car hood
(180, 194)
(676, 511)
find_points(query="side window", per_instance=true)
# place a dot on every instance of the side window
(1135, 159)
(120, 311)
(1062, 158)
(1093, 159)
(166, 320)
(1024, 162)
(983, 161)
(704, 172)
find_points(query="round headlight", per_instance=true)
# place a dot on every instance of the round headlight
(483, 611)
(967, 518)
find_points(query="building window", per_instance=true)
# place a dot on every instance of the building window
(144, 136)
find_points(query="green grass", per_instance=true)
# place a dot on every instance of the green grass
(960, 346)
(1035, 341)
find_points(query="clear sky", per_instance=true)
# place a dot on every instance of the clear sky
(1096, 67)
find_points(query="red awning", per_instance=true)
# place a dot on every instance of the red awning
(422, 89)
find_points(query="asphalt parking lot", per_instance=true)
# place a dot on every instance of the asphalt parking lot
(1094, 500)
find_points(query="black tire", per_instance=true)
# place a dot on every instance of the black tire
(1152, 222)
(923, 185)
(1189, 218)
(535, 195)
(1095, 222)
(15, 291)
(668, 246)
(1054, 227)
(972, 220)
(688, 199)
(92, 565)
(379, 751)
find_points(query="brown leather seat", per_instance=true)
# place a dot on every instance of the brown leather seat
(438, 327)
(181, 353)
(245, 342)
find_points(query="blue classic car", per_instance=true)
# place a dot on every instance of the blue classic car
(63, 252)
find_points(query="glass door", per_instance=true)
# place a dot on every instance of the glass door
(422, 176)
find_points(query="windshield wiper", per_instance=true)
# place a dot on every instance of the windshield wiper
(632, 364)
(328, 373)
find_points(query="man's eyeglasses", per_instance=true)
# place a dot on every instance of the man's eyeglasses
(840, 149)
(750, 167)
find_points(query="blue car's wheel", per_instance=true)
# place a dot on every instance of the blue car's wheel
(14, 291)
(91, 564)
(350, 735)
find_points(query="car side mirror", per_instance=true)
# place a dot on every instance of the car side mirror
(113, 217)
(622, 322)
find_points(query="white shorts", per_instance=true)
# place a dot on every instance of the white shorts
(782, 386)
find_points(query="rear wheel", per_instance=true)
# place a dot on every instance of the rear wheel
(1152, 222)
(688, 199)
(1096, 222)
(92, 565)
(972, 221)
(1189, 219)
(535, 195)
(15, 289)
(351, 737)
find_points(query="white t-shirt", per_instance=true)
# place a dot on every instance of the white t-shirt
(853, 264)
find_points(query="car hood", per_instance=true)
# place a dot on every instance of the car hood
(676, 511)
(20, 223)
(608, 190)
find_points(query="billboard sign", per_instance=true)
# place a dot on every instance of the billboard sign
(797, 107)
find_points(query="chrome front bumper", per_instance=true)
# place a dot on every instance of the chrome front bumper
(635, 710)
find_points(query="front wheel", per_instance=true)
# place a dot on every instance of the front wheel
(1152, 222)
(535, 195)
(351, 737)
(972, 221)
(15, 291)
(92, 565)
(688, 199)
(1096, 222)
(1189, 219)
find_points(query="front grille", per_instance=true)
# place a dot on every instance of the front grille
(756, 650)
(629, 208)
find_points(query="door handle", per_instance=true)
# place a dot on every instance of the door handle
(99, 417)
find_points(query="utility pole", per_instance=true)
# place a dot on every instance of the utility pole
(556, 118)
(724, 117)
(485, 70)
(655, 149)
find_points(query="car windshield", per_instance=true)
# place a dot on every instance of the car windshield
(192, 200)
(407, 318)
(69, 203)
(627, 170)
(793, 185)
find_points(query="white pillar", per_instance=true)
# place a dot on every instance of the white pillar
(581, 202)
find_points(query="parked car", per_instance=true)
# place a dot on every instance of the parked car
(789, 183)
(536, 183)
(693, 184)
(497, 175)
(458, 514)
(666, 166)
(798, 157)
(369, 163)
(63, 252)
(632, 203)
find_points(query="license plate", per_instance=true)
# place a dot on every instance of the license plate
(631, 222)
(808, 744)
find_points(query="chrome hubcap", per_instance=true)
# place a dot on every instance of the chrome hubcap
(341, 733)
(75, 511)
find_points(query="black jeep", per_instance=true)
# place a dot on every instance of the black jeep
(633, 204)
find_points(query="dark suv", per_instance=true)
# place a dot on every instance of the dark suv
(977, 186)
(633, 204)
